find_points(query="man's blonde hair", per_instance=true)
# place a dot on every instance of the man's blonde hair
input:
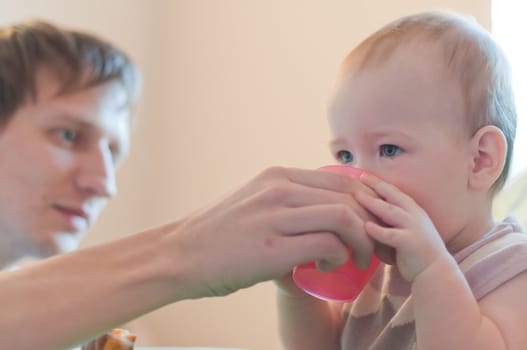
(468, 53)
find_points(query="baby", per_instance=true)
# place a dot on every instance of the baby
(426, 105)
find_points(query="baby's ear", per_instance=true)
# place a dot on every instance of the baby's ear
(489, 149)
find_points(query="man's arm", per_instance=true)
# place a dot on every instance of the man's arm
(66, 300)
(282, 218)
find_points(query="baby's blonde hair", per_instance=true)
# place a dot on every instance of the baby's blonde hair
(468, 52)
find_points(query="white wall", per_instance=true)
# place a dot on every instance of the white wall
(508, 26)
(231, 87)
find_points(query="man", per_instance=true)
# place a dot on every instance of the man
(66, 104)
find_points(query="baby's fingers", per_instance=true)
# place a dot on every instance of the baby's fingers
(388, 192)
(387, 235)
(387, 212)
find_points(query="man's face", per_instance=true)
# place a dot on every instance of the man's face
(58, 157)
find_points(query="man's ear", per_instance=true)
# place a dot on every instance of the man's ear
(489, 150)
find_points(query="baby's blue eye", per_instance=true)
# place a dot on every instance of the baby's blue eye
(389, 150)
(344, 156)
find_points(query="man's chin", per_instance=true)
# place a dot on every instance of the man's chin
(66, 242)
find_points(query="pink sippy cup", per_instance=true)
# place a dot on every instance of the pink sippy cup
(343, 283)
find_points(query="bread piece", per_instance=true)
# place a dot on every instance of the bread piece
(116, 339)
(119, 339)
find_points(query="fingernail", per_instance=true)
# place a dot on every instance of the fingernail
(364, 176)
(326, 266)
(363, 262)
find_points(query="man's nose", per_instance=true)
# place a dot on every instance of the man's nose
(97, 172)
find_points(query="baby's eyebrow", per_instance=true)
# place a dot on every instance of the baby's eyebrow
(337, 142)
(389, 132)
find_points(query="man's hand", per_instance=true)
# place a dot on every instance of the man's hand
(282, 218)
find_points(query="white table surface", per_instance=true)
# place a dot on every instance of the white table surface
(177, 348)
(181, 348)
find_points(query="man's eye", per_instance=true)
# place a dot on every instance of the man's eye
(344, 156)
(389, 150)
(68, 135)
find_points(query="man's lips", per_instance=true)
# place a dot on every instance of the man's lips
(73, 211)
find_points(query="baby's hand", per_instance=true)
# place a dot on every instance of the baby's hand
(407, 227)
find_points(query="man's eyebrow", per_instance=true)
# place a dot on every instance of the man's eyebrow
(70, 118)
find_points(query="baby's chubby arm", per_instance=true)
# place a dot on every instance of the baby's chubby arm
(507, 308)
(447, 315)
(306, 322)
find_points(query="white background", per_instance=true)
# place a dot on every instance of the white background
(509, 27)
